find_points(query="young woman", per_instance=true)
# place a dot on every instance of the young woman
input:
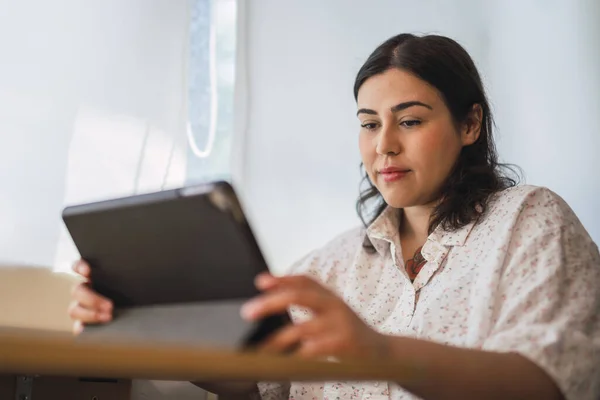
(488, 289)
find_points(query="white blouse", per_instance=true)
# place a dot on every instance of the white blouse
(525, 279)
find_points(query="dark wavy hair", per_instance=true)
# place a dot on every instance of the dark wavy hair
(477, 174)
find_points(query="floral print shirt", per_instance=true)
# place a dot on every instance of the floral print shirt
(525, 278)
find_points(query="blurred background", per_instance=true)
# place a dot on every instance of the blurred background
(100, 99)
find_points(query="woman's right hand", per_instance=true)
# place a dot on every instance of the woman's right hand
(87, 307)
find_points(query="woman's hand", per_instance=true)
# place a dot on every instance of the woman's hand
(334, 330)
(87, 307)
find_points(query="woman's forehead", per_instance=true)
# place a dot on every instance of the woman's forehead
(394, 87)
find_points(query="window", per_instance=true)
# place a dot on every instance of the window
(91, 113)
(211, 88)
(136, 156)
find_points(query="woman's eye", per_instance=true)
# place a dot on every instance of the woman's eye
(369, 125)
(410, 123)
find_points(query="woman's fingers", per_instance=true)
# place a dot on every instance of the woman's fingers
(279, 300)
(266, 281)
(88, 315)
(290, 336)
(282, 292)
(77, 327)
(88, 307)
(310, 339)
(282, 340)
(318, 347)
(87, 298)
(82, 268)
(334, 330)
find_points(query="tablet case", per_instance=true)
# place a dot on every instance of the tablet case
(177, 264)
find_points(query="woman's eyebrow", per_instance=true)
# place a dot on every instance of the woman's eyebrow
(405, 105)
(366, 111)
(396, 108)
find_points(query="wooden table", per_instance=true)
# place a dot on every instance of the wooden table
(35, 341)
(61, 360)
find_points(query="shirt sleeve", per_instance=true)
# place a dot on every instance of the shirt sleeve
(550, 296)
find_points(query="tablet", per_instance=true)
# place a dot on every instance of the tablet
(177, 264)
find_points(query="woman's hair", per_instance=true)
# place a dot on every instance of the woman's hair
(477, 174)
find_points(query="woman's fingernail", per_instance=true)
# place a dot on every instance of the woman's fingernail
(82, 269)
(264, 280)
(249, 309)
(104, 317)
(78, 328)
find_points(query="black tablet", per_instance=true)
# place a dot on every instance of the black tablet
(177, 264)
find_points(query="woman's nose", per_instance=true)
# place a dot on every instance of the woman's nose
(388, 142)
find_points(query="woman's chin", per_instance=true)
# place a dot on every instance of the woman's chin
(403, 200)
(398, 200)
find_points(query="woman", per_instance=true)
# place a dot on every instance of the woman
(490, 289)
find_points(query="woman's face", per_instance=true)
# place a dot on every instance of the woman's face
(408, 140)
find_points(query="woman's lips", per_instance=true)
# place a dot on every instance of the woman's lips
(392, 174)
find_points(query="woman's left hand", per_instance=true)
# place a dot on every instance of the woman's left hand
(333, 330)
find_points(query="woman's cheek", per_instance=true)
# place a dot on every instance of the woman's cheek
(434, 149)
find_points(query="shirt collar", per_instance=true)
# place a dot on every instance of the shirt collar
(385, 228)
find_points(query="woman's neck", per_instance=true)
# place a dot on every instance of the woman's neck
(414, 223)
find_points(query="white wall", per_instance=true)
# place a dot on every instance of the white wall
(70, 68)
(540, 61)
(544, 69)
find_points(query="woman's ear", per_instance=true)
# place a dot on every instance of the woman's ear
(472, 126)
